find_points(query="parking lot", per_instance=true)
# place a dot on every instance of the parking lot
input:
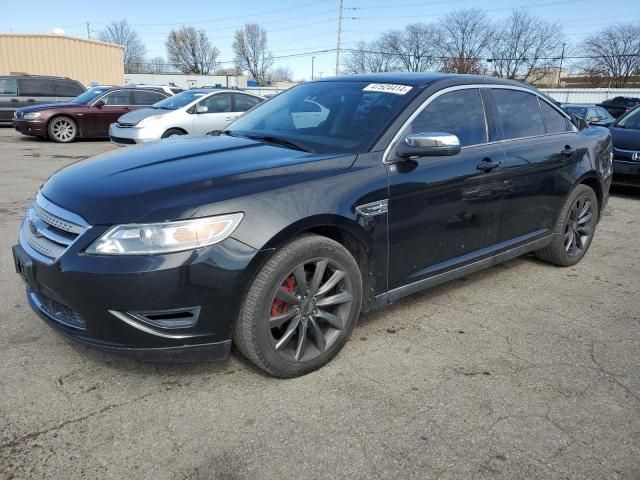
(524, 370)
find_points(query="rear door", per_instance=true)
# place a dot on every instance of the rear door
(34, 91)
(539, 142)
(218, 115)
(8, 98)
(66, 90)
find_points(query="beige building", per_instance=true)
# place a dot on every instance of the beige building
(60, 55)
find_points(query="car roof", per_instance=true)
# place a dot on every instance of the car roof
(420, 79)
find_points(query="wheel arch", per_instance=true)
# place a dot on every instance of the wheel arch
(593, 182)
(347, 232)
(184, 132)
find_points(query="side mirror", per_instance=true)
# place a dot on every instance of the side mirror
(99, 104)
(432, 144)
(202, 109)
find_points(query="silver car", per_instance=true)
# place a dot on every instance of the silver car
(197, 110)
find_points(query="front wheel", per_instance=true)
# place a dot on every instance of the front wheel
(574, 229)
(62, 130)
(301, 307)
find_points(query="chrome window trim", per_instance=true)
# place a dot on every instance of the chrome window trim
(396, 138)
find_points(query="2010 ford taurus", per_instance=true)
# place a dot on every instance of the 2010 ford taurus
(276, 233)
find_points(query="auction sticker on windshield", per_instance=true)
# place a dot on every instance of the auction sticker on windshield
(387, 88)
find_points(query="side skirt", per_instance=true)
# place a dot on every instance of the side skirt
(397, 293)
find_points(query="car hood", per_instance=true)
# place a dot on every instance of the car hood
(47, 106)
(155, 182)
(625, 138)
(134, 117)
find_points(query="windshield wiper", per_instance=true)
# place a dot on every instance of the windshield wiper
(280, 141)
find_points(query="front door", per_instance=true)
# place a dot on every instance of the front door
(106, 111)
(444, 210)
(213, 113)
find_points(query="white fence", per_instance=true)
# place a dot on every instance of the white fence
(589, 95)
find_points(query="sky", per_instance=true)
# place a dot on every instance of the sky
(295, 29)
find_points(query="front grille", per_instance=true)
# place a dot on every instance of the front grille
(49, 230)
(626, 155)
(18, 114)
(127, 141)
(125, 125)
(58, 312)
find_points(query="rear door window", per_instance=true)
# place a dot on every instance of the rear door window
(459, 112)
(146, 98)
(519, 113)
(8, 86)
(36, 87)
(554, 120)
(67, 88)
(244, 102)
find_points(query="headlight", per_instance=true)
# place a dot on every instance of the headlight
(146, 121)
(154, 238)
(31, 116)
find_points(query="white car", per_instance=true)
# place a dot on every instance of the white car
(197, 110)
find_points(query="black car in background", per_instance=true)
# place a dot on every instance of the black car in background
(275, 234)
(626, 148)
(17, 91)
(592, 114)
(618, 106)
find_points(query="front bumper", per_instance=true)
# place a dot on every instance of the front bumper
(94, 299)
(626, 172)
(126, 137)
(35, 128)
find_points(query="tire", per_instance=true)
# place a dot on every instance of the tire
(172, 132)
(574, 229)
(273, 343)
(62, 129)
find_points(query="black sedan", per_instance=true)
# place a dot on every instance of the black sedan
(626, 148)
(335, 197)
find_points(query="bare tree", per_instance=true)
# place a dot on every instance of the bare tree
(417, 48)
(466, 36)
(251, 53)
(282, 74)
(190, 51)
(525, 47)
(370, 57)
(615, 52)
(121, 33)
(157, 65)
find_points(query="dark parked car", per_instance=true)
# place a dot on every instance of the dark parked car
(626, 148)
(87, 115)
(18, 91)
(276, 235)
(592, 114)
(618, 106)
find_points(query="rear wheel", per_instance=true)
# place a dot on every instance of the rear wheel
(62, 130)
(574, 229)
(301, 308)
(172, 132)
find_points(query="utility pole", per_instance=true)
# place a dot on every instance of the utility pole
(312, 59)
(561, 60)
(88, 31)
(339, 33)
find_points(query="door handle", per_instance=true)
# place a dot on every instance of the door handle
(14, 100)
(568, 151)
(31, 100)
(487, 165)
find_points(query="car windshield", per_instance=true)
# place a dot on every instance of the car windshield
(631, 120)
(178, 101)
(89, 95)
(326, 116)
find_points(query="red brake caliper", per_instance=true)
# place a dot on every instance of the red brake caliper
(278, 307)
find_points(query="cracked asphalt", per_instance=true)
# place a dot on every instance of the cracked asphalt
(521, 371)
